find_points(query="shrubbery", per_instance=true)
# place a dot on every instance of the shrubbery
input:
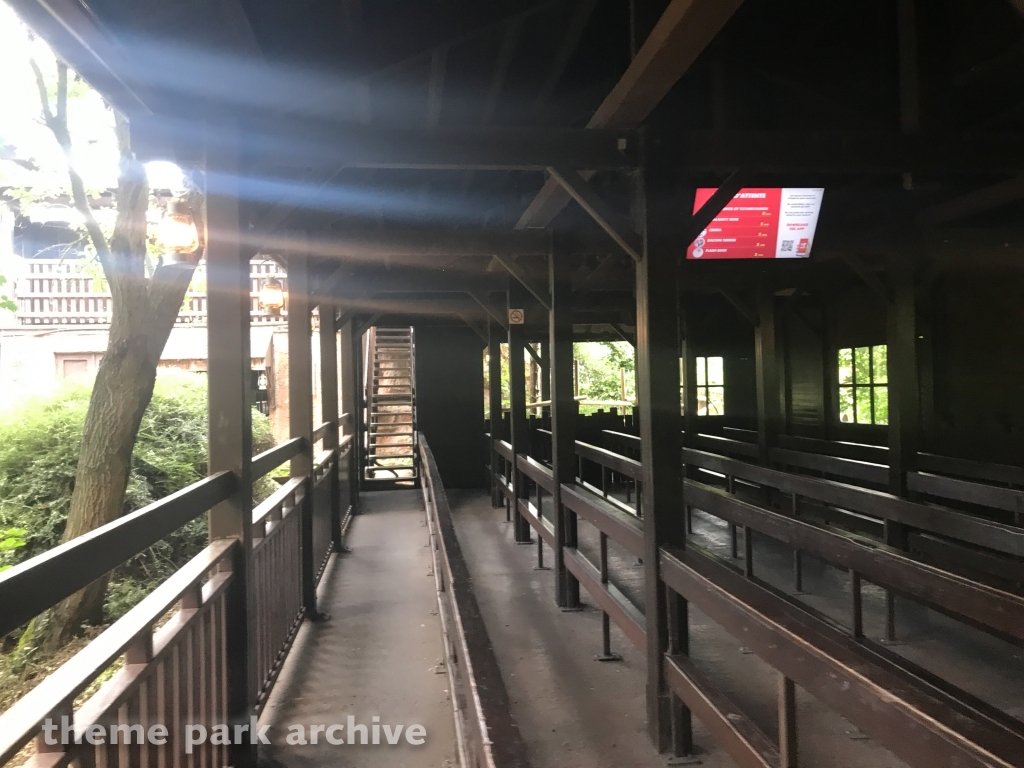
(39, 451)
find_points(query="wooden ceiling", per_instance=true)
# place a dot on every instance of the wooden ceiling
(911, 114)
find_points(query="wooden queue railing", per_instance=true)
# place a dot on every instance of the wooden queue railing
(175, 642)
(882, 694)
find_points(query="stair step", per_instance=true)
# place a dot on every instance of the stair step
(389, 456)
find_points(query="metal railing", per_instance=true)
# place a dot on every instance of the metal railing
(176, 644)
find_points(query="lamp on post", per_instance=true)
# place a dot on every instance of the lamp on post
(272, 296)
(177, 234)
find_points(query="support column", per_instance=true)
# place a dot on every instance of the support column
(545, 377)
(517, 298)
(657, 336)
(494, 334)
(359, 430)
(904, 395)
(329, 407)
(563, 422)
(766, 362)
(230, 421)
(349, 383)
(300, 410)
(689, 376)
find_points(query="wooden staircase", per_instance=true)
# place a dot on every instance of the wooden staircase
(391, 443)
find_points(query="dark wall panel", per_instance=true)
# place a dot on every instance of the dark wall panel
(979, 365)
(450, 401)
(806, 380)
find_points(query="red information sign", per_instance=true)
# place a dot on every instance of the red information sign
(759, 223)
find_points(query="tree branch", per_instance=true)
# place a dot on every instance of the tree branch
(58, 125)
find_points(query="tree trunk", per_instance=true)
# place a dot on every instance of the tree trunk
(143, 314)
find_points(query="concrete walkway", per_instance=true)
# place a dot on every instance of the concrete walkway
(378, 654)
(573, 711)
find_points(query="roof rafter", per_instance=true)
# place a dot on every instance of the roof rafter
(682, 33)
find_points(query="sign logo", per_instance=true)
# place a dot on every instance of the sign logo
(759, 223)
(516, 317)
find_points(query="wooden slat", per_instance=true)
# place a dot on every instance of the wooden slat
(915, 721)
(22, 720)
(609, 598)
(621, 528)
(880, 504)
(993, 608)
(274, 457)
(966, 491)
(745, 743)
(28, 589)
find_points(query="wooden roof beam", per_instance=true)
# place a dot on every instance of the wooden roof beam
(618, 227)
(978, 201)
(309, 143)
(842, 152)
(682, 33)
(517, 271)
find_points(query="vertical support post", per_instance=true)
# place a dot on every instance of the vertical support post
(563, 422)
(494, 332)
(545, 377)
(829, 375)
(300, 410)
(349, 385)
(689, 375)
(904, 397)
(329, 407)
(856, 606)
(904, 402)
(517, 299)
(359, 427)
(230, 420)
(767, 369)
(657, 336)
(787, 723)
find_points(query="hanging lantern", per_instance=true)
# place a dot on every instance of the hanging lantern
(177, 233)
(272, 296)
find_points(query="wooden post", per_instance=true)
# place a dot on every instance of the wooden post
(230, 420)
(349, 384)
(545, 377)
(300, 410)
(767, 372)
(517, 299)
(563, 423)
(689, 374)
(904, 395)
(657, 336)
(329, 407)
(494, 334)
(359, 430)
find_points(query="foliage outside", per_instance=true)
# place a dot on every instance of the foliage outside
(600, 365)
(38, 455)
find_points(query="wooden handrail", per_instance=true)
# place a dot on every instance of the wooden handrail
(272, 458)
(875, 694)
(614, 461)
(28, 589)
(832, 465)
(926, 517)
(967, 491)
(22, 721)
(996, 609)
(276, 499)
(322, 430)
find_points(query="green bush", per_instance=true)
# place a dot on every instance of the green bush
(38, 454)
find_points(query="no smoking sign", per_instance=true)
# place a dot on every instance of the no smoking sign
(516, 317)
